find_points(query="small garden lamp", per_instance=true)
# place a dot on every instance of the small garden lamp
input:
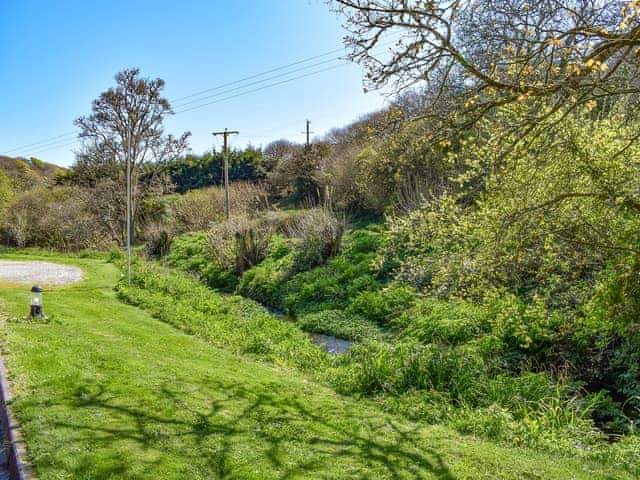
(36, 302)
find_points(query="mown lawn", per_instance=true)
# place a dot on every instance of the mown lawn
(106, 391)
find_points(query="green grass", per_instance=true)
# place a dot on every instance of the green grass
(106, 391)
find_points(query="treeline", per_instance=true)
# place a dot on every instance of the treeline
(192, 171)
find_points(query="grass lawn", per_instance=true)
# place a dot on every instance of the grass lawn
(106, 391)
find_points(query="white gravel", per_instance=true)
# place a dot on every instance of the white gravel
(45, 273)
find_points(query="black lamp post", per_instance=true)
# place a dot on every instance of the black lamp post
(36, 302)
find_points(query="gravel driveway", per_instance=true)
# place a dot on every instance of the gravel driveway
(44, 273)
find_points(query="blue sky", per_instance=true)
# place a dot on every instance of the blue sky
(57, 56)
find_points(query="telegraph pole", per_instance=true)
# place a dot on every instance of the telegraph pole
(227, 201)
(308, 132)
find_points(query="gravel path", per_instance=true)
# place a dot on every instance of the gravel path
(44, 273)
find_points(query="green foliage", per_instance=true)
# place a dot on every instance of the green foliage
(191, 253)
(193, 171)
(340, 324)
(36, 162)
(383, 305)
(402, 168)
(437, 321)
(6, 193)
(317, 235)
(296, 176)
(265, 283)
(376, 367)
(331, 286)
(230, 321)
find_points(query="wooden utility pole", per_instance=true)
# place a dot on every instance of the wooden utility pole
(308, 132)
(227, 200)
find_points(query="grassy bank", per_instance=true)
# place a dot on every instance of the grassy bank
(106, 391)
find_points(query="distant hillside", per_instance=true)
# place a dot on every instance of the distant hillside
(32, 167)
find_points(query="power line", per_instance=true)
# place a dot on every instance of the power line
(54, 147)
(178, 101)
(262, 88)
(53, 143)
(255, 83)
(251, 77)
(46, 140)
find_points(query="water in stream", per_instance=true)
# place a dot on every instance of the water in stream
(328, 343)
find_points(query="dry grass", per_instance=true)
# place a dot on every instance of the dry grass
(198, 209)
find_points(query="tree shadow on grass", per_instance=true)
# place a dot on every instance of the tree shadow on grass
(257, 432)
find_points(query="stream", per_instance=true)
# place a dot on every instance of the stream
(328, 343)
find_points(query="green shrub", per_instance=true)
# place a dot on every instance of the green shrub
(383, 305)
(363, 241)
(265, 283)
(36, 162)
(240, 243)
(328, 287)
(527, 331)
(340, 324)
(376, 367)
(432, 320)
(191, 253)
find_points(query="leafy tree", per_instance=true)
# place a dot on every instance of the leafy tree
(551, 55)
(197, 171)
(126, 126)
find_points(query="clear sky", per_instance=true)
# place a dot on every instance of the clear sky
(57, 56)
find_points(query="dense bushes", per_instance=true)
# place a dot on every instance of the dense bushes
(330, 286)
(51, 218)
(198, 171)
(192, 253)
(340, 324)
(196, 210)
